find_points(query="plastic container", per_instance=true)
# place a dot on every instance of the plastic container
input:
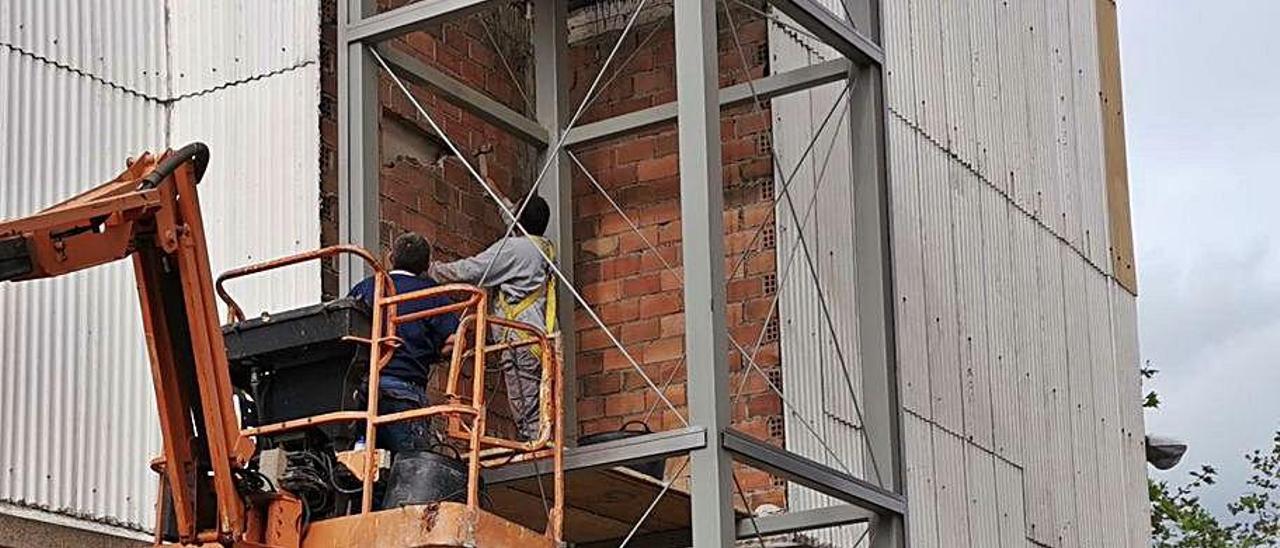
(424, 477)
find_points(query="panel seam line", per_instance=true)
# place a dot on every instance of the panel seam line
(149, 97)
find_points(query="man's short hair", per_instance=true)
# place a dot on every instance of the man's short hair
(411, 252)
(536, 215)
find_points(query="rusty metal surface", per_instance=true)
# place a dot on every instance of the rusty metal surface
(439, 525)
(235, 314)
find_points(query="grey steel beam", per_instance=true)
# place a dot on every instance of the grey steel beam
(702, 218)
(405, 19)
(771, 86)
(761, 526)
(551, 78)
(659, 445)
(835, 32)
(804, 520)
(357, 144)
(464, 96)
(812, 474)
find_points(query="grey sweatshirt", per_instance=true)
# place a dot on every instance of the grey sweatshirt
(518, 271)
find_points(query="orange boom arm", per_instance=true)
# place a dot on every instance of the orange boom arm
(152, 212)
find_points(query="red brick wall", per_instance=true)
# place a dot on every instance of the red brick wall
(634, 294)
(628, 286)
(444, 204)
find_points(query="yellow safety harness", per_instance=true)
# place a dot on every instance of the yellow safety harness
(513, 311)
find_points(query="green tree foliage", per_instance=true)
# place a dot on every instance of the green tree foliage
(1179, 519)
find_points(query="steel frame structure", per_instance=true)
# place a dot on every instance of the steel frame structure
(709, 441)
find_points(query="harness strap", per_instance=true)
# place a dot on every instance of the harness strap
(548, 290)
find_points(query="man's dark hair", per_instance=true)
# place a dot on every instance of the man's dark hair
(411, 252)
(536, 215)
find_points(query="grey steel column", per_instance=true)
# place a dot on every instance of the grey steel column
(357, 143)
(873, 255)
(551, 73)
(702, 210)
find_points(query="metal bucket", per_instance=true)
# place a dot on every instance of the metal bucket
(655, 468)
(423, 477)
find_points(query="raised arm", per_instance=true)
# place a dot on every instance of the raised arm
(471, 269)
(482, 160)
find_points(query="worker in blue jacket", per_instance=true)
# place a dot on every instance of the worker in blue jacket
(403, 382)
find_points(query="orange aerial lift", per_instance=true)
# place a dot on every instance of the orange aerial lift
(213, 488)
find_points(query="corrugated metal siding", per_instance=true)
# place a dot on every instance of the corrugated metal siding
(1039, 453)
(971, 316)
(816, 276)
(1084, 450)
(123, 47)
(945, 381)
(990, 162)
(1108, 435)
(260, 193)
(922, 505)
(984, 512)
(926, 55)
(1124, 323)
(1015, 180)
(1010, 505)
(952, 489)
(76, 405)
(73, 371)
(1089, 144)
(216, 43)
(1008, 384)
(995, 130)
(910, 314)
(957, 76)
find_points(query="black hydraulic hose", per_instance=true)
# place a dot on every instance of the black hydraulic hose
(197, 153)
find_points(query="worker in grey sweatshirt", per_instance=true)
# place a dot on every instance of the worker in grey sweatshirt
(522, 288)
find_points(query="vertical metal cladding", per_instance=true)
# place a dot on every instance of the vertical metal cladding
(817, 276)
(121, 44)
(214, 44)
(900, 85)
(1015, 181)
(922, 505)
(76, 407)
(983, 506)
(926, 44)
(971, 313)
(260, 193)
(1010, 504)
(957, 76)
(83, 86)
(951, 488)
(997, 138)
(909, 311)
(942, 333)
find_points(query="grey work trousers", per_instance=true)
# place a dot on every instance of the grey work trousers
(522, 371)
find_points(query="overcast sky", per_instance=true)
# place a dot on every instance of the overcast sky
(1202, 90)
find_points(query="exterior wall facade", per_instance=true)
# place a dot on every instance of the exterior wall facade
(83, 86)
(1017, 346)
(1017, 352)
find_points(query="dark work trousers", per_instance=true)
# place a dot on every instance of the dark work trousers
(522, 371)
(396, 395)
